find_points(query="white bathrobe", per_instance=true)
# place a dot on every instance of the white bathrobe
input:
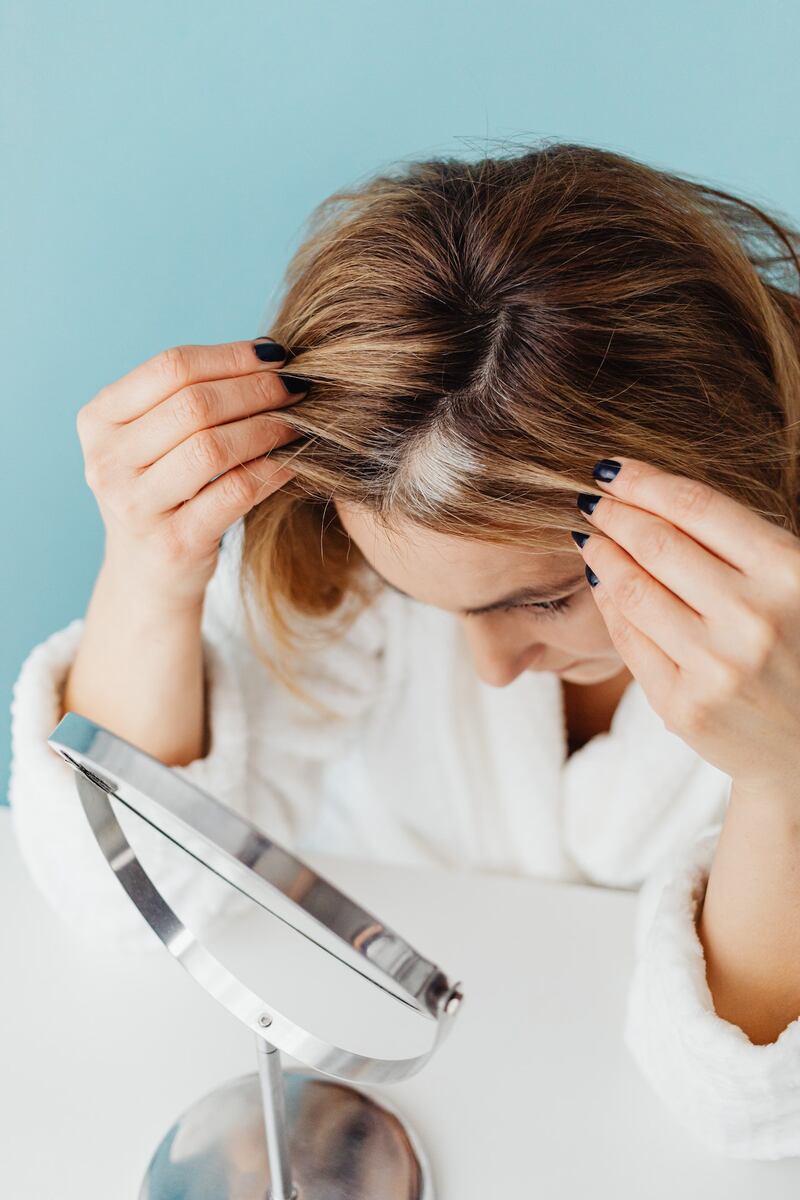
(427, 765)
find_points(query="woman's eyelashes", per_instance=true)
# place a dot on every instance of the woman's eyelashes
(542, 607)
(547, 608)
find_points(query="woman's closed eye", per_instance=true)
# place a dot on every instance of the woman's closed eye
(548, 607)
(539, 607)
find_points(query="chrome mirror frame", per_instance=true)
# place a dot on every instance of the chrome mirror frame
(237, 851)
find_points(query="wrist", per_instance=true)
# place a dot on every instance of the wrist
(151, 594)
(779, 789)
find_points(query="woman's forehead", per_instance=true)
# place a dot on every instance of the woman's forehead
(412, 547)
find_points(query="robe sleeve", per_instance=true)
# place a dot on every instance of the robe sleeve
(737, 1098)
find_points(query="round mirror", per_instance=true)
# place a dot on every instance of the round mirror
(304, 966)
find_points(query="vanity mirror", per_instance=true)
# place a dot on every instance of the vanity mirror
(307, 969)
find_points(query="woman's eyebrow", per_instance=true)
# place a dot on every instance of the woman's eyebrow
(548, 591)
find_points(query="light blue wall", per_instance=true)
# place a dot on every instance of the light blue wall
(158, 160)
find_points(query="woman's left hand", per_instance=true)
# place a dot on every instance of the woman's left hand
(701, 598)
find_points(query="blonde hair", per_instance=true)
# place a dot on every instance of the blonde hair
(478, 334)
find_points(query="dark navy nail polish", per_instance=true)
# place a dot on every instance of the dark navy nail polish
(606, 469)
(579, 538)
(587, 502)
(295, 383)
(590, 575)
(270, 351)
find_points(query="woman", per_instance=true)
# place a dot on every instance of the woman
(516, 542)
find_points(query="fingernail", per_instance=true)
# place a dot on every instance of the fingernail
(269, 350)
(606, 469)
(587, 502)
(590, 575)
(295, 383)
(578, 537)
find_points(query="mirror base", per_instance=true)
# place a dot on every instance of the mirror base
(343, 1145)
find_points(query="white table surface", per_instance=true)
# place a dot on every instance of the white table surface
(532, 1095)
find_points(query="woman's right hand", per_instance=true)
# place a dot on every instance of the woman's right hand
(174, 453)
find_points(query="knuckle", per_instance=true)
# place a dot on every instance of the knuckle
(87, 425)
(631, 591)
(697, 715)
(194, 405)
(207, 450)
(789, 575)
(267, 387)
(83, 421)
(230, 359)
(728, 682)
(127, 506)
(98, 401)
(657, 543)
(90, 475)
(722, 683)
(695, 718)
(172, 365)
(96, 471)
(636, 474)
(268, 431)
(177, 541)
(758, 636)
(691, 497)
(236, 489)
(671, 718)
(100, 395)
(622, 635)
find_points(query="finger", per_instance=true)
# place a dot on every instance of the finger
(654, 670)
(199, 406)
(689, 570)
(645, 603)
(201, 521)
(209, 453)
(174, 368)
(727, 528)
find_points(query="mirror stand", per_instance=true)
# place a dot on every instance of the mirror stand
(288, 1135)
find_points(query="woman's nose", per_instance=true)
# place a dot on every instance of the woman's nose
(498, 661)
